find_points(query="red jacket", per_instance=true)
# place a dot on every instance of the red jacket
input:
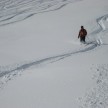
(82, 33)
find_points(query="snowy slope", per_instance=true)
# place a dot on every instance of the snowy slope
(42, 60)
(13, 11)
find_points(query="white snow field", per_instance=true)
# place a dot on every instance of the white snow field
(42, 62)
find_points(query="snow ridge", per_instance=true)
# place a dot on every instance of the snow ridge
(100, 29)
(100, 22)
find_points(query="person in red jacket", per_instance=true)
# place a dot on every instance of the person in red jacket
(82, 34)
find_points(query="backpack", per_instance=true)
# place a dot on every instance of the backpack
(85, 32)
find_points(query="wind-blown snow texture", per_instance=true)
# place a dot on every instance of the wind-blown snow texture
(97, 97)
(13, 11)
(16, 10)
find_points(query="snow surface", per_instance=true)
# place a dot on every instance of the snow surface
(43, 64)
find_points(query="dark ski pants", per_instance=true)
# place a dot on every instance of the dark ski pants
(82, 39)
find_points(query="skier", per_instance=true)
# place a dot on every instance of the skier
(82, 34)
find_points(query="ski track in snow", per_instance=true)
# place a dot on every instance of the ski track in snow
(47, 60)
(14, 11)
